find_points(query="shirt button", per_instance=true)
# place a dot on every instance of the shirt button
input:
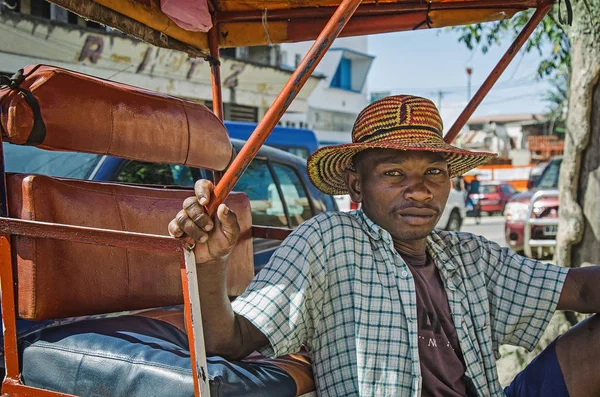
(404, 274)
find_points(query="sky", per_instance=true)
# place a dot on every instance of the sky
(425, 62)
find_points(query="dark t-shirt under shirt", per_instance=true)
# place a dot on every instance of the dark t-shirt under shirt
(442, 363)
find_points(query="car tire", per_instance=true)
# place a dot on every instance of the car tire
(454, 222)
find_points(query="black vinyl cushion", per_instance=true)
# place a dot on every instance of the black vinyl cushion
(135, 356)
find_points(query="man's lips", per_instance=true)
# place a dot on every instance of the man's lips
(418, 216)
(416, 211)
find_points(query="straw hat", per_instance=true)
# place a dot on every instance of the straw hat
(402, 122)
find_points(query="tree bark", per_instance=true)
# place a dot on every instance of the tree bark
(578, 239)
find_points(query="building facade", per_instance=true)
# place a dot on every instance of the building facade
(340, 94)
(34, 31)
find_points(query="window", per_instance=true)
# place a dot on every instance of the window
(294, 194)
(507, 189)
(488, 189)
(343, 76)
(300, 152)
(297, 59)
(549, 178)
(40, 8)
(156, 174)
(265, 202)
(29, 159)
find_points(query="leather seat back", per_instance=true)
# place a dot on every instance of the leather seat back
(57, 279)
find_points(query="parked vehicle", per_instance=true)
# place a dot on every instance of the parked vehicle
(535, 174)
(454, 213)
(493, 196)
(299, 141)
(517, 211)
(276, 182)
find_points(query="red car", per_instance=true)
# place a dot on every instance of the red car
(493, 196)
(517, 210)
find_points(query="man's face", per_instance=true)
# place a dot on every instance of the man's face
(404, 192)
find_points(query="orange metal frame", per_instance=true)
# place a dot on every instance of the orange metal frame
(340, 17)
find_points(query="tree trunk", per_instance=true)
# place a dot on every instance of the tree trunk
(578, 239)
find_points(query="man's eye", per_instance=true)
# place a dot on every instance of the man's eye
(434, 171)
(392, 173)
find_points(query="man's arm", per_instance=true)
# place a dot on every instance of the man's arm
(225, 333)
(581, 291)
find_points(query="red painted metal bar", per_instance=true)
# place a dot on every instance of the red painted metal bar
(306, 29)
(512, 51)
(372, 9)
(13, 388)
(283, 101)
(3, 197)
(215, 71)
(271, 233)
(88, 235)
(187, 312)
(9, 315)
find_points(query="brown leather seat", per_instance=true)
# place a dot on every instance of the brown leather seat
(87, 114)
(58, 279)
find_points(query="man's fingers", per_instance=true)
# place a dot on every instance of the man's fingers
(229, 222)
(203, 189)
(196, 213)
(174, 229)
(187, 225)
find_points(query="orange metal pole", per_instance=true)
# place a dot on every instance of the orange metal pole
(187, 311)
(508, 56)
(9, 311)
(282, 102)
(393, 9)
(89, 235)
(215, 71)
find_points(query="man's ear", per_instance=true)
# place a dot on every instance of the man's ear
(352, 179)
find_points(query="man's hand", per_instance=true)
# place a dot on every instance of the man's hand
(214, 239)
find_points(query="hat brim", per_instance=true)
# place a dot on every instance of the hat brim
(326, 166)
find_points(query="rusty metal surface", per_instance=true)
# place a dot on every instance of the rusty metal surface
(508, 56)
(282, 102)
(271, 233)
(3, 200)
(13, 388)
(88, 235)
(371, 10)
(215, 71)
(193, 324)
(9, 315)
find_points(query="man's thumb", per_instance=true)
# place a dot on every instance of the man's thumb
(228, 221)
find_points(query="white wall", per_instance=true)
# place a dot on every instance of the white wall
(323, 96)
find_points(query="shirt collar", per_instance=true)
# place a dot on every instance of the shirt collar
(375, 231)
(436, 247)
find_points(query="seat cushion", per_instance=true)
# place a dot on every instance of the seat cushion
(136, 356)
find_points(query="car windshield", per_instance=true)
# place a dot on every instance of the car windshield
(31, 160)
(549, 179)
(488, 189)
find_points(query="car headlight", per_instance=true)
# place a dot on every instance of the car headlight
(516, 212)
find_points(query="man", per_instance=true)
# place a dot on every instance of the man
(473, 202)
(387, 305)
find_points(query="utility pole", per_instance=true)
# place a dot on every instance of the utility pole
(440, 97)
(469, 71)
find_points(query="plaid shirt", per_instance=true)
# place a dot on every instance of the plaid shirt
(338, 285)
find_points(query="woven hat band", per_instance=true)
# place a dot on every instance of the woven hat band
(406, 133)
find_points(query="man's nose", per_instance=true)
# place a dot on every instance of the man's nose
(417, 190)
